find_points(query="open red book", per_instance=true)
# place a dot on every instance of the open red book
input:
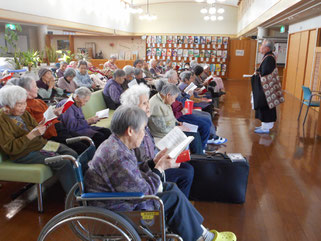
(183, 157)
(67, 104)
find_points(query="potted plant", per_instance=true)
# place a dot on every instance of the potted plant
(30, 59)
(65, 55)
(51, 55)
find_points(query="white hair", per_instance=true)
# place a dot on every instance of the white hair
(10, 95)
(269, 43)
(131, 96)
(82, 92)
(170, 74)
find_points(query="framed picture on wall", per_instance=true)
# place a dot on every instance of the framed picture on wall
(63, 44)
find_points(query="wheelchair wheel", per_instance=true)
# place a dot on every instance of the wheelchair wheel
(71, 201)
(97, 224)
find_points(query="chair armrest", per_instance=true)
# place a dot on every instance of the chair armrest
(111, 195)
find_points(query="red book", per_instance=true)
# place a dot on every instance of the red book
(67, 104)
(183, 157)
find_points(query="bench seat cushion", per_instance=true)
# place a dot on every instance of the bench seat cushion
(31, 173)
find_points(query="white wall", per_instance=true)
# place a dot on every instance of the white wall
(305, 25)
(185, 18)
(254, 10)
(102, 13)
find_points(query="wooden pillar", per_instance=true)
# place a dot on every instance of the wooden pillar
(72, 44)
(319, 124)
(48, 40)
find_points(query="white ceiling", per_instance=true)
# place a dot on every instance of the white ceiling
(143, 2)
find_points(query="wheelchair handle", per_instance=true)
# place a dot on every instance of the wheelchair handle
(50, 160)
(79, 138)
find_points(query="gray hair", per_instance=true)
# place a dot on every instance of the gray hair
(62, 63)
(24, 82)
(137, 71)
(119, 73)
(170, 74)
(82, 62)
(193, 63)
(269, 43)
(127, 116)
(164, 88)
(186, 75)
(69, 72)
(129, 70)
(82, 92)
(131, 96)
(10, 95)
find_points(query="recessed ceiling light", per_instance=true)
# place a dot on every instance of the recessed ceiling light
(212, 10)
(220, 10)
(206, 18)
(204, 10)
(199, 1)
(220, 18)
(210, 1)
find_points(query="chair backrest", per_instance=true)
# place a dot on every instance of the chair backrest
(306, 93)
(95, 104)
(82, 160)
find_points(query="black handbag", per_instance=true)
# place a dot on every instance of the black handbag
(217, 178)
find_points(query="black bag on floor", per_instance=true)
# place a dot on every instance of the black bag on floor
(217, 178)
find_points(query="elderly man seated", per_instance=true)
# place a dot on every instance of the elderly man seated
(46, 85)
(75, 121)
(113, 89)
(56, 131)
(114, 168)
(67, 82)
(138, 95)
(82, 78)
(21, 136)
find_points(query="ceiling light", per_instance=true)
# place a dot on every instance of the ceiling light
(199, 1)
(206, 18)
(212, 10)
(220, 10)
(203, 10)
(213, 18)
(220, 18)
(221, 0)
(210, 1)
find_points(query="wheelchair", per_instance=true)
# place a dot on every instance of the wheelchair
(82, 222)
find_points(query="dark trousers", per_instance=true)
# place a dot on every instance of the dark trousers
(62, 168)
(182, 176)
(196, 145)
(204, 126)
(101, 135)
(181, 216)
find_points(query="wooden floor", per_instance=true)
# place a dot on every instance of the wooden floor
(283, 200)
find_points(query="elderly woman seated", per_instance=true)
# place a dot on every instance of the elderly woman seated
(46, 85)
(67, 82)
(114, 168)
(82, 78)
(148, 75)
(75, 121)
(37, 107)
(138, 95)
(113, 89)
(162, 119)
(129, 75)
(21, 136)
(60, 72)
(111, 63)
(156, 72)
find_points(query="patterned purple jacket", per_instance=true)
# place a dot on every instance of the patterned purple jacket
(114, 168)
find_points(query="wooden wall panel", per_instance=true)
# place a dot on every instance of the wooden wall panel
(292, 62)
(301, 64)
(239, 65)
(309, 64)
